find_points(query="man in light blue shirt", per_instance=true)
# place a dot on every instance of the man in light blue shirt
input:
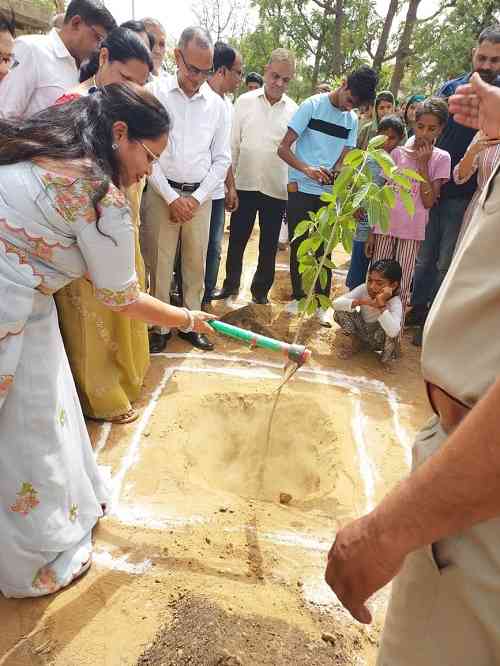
(324, 129)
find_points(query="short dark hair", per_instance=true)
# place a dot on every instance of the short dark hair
(92, 12)
(435, 106)
(139, 27)
(362, 83)
(390, 269)
(123, 44)
(8, 24)
(253, 77)
(490, 34)
(394, 123)
(384, 96)
(224, 55)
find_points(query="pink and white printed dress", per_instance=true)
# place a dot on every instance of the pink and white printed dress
(51, 490)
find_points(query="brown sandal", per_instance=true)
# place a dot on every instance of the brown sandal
(129, 417)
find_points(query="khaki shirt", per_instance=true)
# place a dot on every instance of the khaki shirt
(461, 348)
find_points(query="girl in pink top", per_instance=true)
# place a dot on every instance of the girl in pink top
(405, 234)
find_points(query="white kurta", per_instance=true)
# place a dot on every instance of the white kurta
(50, 487)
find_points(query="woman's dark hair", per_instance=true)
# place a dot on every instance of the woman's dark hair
(224, 56)
(394, 123)
(253, 77)
(140, 27)
(435, 106)
(92, 12)
(123, 44)
(362, 83)
(83, 129)
(390, 269)
(8, 24)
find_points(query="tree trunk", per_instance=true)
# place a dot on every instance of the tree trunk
(317, 60)
(337, 56)
(403, 52)
(378, 59)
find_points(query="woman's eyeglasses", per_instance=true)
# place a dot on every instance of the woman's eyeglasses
(154, 158)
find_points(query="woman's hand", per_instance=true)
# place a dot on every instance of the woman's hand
(200, 321)
(370, 246)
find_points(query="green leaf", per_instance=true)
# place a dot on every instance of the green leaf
(401, 180)
(414, 175)
(408, 202)
(385, 161)
(354, 157)
(347, 240)
(327, 197)
(360, 195)
(389, 196)
(324, 301)
(308, 278)
(302, 304)
(323, 278)
(301, 229)
(305, 247)
(339, 187)
(329, 264)
(312, 307)
(384, 218)
(377, 141)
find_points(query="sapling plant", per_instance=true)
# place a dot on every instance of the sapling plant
(353, 194)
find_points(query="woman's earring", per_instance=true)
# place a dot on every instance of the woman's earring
(114, 146)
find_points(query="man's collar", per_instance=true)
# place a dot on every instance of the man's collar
(60, 48)
(261, 92)
(204, 91)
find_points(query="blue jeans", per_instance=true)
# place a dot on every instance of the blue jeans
(436, 252)
(359, 265)
(214, 250)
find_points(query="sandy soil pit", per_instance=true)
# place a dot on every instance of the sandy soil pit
(200, 562)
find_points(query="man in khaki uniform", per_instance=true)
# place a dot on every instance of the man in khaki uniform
(440, 528)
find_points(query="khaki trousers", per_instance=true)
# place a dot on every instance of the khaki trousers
(159, 239)
(445, 603)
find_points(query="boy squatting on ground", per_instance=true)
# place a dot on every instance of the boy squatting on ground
(371, 314)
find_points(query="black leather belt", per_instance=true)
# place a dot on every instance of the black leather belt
(184, 187)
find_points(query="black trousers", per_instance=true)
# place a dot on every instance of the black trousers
(299, 204)
(242, 222)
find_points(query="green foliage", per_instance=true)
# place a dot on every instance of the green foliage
(353, 194)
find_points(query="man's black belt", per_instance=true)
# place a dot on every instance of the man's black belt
(184, 187)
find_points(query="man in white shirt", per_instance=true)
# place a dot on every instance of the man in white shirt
(48, 64)
(261, 176)
(228, 71)
(178, 202)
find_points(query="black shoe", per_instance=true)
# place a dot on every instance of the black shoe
(417, 338)
(220, 294)
(158, 341)
(198, 340)
(260, 300)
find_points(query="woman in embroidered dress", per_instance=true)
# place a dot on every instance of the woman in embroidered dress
(63, 216)
(108, 353)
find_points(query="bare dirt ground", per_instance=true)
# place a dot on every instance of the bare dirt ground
(215, 548)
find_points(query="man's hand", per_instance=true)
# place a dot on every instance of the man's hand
(182, 209)
(477, 105)
(232, 200)
(319, 174)
(359, 565)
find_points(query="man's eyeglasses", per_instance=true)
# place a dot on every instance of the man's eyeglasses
(196, 71)
(98, 36)
(9, 60)
(154, 158)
